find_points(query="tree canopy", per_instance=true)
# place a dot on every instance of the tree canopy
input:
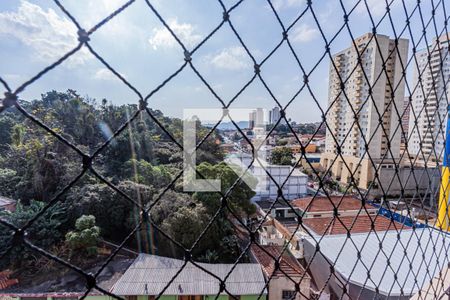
(282, 156)
(140, 162)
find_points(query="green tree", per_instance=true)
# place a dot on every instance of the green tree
(17, 135)
(239, 197)
(85, 236)
(143, 172)
(282, 142)
(44, 231)
(282, 156)
(7, 122)
(174, 211)
(114, 213)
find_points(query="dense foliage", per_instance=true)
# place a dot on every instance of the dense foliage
(44, 232)
(141, 162)
(282, 156)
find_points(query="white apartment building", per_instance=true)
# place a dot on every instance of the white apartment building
(353, 96)
(293, 181)
(429, 102)
(256, 118)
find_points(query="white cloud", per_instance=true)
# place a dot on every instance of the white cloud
(377, 8)
(105, 74)
(11, 76)
(284, 4)
(45, 32)
(184, 31)
(233, 58)
(304, 33)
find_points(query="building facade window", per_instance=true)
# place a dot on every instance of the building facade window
(288, 295)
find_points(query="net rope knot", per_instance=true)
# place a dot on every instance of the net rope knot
(9, 100)
(83, 36)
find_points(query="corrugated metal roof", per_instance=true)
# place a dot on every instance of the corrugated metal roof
(416, 257)
(149, 275)
(6, 201)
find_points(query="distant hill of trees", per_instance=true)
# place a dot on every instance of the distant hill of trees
(141, 162)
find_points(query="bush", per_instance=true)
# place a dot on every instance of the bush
(85, 236)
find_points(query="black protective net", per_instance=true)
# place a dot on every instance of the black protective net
(389, 246)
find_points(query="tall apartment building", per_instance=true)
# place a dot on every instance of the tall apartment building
(429, 102)
(343, 133)
(275, 115)
(405, 120)
(256, 118)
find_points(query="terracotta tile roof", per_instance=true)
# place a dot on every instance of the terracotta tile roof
(5, 281)
(288, 263)
(362, 224)
(322, 203)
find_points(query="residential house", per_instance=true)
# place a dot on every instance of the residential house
(282, 280)
(145, 277)
(272, 232)
(319, 218)
(149, 275)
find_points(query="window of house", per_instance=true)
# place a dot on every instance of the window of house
(130, 297)
(197, 297)
(288, 295)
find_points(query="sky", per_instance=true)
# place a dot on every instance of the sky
(35, 33)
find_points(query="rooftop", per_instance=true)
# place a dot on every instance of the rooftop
(6, 201)
(404, 272)
(288, 264)
(266, 204)
(149, 275)
(359, 224)
(323, 203)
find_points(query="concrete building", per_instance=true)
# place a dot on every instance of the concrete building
(429, 102)
(364, 88)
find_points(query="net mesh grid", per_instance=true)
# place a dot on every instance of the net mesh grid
(400, 29)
